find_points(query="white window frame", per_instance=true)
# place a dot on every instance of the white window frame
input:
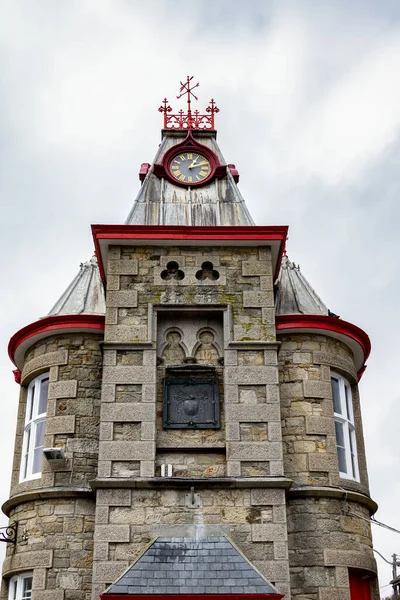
(33, 419)
(345, 421)
(16, 587)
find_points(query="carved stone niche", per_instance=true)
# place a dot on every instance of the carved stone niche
(190, 398)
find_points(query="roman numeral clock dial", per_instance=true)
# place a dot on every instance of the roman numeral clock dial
(190, 167)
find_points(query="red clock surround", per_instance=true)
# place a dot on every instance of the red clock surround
(189, 144)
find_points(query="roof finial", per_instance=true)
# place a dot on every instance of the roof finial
(284, 248)
(190, 119)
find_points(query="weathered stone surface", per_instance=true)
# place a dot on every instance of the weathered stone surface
(350, 558)
(109, 571)
(258, 299)
(60, 425)
(267, 497)
(48, 595)
(129, 375)
(63, 389)
(251, 375)
(259, 267)
(252, 413)
(27, 560)
(123, 267)
(122, 299)
(319, 425)
(128, 412)
(254, 450)
(126, 451)
(112, 533)
(317, 389)
(269, 532)
(113, 497)
(37, 365)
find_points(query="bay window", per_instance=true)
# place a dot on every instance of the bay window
(35, 423)
(344, 427)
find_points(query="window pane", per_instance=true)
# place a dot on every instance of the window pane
(38, 451)
(28, 440)
(337, 407)
(341, 450)
(349, 406)
(30, 400)
(44, 389)
(352, 437)
(14, 590)
(27, 588)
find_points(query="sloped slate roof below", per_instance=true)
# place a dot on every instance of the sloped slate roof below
(295, 294)
(209, 565)
(84, 295)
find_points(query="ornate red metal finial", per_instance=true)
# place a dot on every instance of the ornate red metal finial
(190, 119)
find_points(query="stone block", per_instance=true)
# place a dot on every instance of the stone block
(122, 267)
(110, 358)
(274, 570)
(301, 358)
(122, 299)
(281, 551)
(257, 299)
(267, 497)
(258, 451)
(83, 445)
(104, 468)
(350, 558)
(37, 365)
(322, 462)
(252, 268)
(106, 432)
(147, 467)
(232, 432)
(269, 532)
(104, 572)
(25, 561)
(100, 551)
(276, 468)
(112, 533)
(128, 411)
(335, 361)
(247, 413)
(320, 425)
(113, 282)
(56, 425)
(266, 283)
(250, 375)
(230, 357)
(39, 579)
(231, 392)
(132, 374)
(113, 497)
(233, 468)
(126, 451)
(108, 392)
(317, 389)
(69, 580)
(275, 432)
(149, 393)
(53, 374)
(111, 316)
(150, 358)
(126, 333)
(48, 595)
(333, 593)
(148, 431)
(63, 389)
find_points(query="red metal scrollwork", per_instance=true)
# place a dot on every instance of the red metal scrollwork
(190, 119)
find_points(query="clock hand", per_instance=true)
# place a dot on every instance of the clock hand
(193, 164)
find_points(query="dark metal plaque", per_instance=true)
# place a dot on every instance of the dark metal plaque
(191, 403)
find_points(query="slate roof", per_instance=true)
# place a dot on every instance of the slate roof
(295, 294)
(160, 202)
(84, 295)
(210, 565)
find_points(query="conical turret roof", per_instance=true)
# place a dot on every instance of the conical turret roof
(84, 295)
(160, 202)
(295, 294)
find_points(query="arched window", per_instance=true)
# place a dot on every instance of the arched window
(344, 427)
(20, 587)
(35, 423)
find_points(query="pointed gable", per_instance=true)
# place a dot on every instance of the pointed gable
(211, 565)
(295, 294)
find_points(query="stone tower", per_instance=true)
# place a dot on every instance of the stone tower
(189, 420)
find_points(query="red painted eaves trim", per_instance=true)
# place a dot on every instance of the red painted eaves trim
(192, 596)
(324, 322)
(54, 323)
(186, 232)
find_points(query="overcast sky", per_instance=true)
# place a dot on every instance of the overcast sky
(309, 94)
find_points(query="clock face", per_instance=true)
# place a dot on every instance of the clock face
(190, 167)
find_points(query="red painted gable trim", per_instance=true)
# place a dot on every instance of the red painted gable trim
(54, 324)
(185, 232)
(324, 322)
(192, 596)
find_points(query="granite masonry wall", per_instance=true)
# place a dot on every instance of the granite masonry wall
(328, 533)
(55, 513)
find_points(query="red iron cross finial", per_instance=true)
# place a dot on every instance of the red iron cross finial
(189, 120)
